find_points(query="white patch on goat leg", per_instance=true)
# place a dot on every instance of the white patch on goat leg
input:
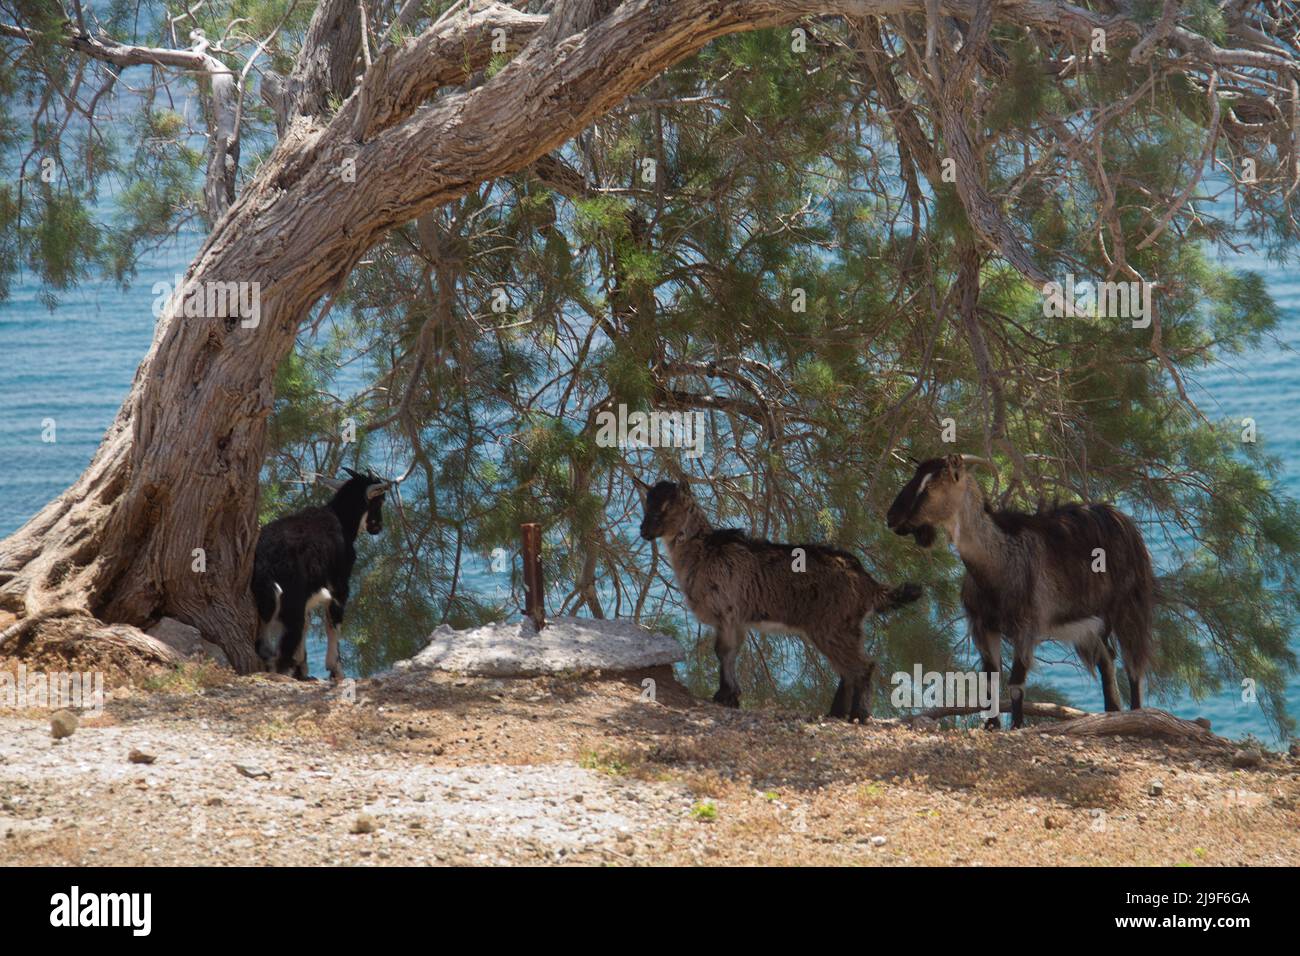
(321, 598)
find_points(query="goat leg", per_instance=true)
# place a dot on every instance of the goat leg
(726, 645)
(1106, 670)
(990, 648)
(860, 702)
(332, 649)
(1019, 670)
(292, 657)
(300, 661)
(840, 704)
(1134, 691)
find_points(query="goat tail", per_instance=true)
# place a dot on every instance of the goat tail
(890, 599)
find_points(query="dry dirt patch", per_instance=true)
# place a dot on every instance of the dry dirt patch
(428, 767)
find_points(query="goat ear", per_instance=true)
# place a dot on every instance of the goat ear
(333, 484)
(374, 491)
(351, 473)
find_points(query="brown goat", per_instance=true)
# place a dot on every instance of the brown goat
(1037, 577)
(733, 582)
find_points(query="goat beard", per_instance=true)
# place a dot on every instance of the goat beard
(924, 535)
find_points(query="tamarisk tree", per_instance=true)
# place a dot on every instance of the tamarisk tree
(332, 130)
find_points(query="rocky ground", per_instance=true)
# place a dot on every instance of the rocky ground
(422, 766)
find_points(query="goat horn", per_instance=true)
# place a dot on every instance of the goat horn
(643, 485)
(374, 491)
(333, 484)
(351, 473)
(975, 461)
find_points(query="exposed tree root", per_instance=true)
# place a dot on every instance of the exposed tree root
(16, 635)
(68, 639)
(1054, 711)
(1147, 722)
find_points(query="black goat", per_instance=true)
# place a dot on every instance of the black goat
(303, 562)
(1036, 577)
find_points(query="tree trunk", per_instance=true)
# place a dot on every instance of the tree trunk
(177, 471)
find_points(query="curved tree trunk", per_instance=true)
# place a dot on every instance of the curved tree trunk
(177, 471)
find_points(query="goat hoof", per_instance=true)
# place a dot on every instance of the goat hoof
(993, 723)
(727, 698)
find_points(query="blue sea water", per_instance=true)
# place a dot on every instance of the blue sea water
(70, 367)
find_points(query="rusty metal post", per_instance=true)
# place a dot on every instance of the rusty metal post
(534, 607)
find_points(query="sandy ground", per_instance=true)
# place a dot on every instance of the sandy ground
(425, 767)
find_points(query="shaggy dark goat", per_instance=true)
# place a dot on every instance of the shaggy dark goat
(1031, 578)
(733, 582)
(303, 562)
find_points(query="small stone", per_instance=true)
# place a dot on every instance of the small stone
(878, 841)
(990, 839)
(364, 823)
(63, 723)
(139, 756)
(182, 638)
(253, 772)
(1203, 722)
(1156, 788)
(1051, 823)
(1247, 758)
